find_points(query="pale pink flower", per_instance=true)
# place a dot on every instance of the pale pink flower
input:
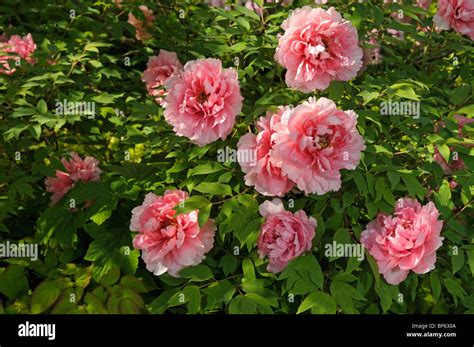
(406, 241)
(457, 163)
(77, 169)
(254, 7)
(456, 14)
(16, 47)
(267, 178)
(170, 242)
(424, 4)
(203, 101)
(318, 47)
(141, 27)
(320, 2)
(284, 235)
(313, 142)
(372, 55)
(159, 69)
(216, 3)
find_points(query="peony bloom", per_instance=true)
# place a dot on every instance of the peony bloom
(456, 163)
(406, 241)
(216, 3)
(313, 142)
(318, 47)
(267, 178)
(284, 235)
(372, 55)
(16, 47)
(252, 6)
(77, 169)
(456, 14)
(424, 4)
(170, 242)
(159, 69)
(140, 26)
(203, 101)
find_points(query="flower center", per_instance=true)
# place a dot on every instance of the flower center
(324, 141)
(201, 97)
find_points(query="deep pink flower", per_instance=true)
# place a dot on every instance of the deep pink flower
(313, 142)
(406, 241)
(77, 169)
(141, 27)
(456, 14)
(267, 178)
(170, 242)
(318, 47)
(284, 235)
(16, 47)
(203, 101)
(159, 69)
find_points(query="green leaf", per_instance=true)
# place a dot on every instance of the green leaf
(229, 264)
(219, 293)
(191, 295)
(470, 259)
(319, 303)
(41, 106)
(197, 273)
(111, 247)
(435, 286)
(459, 95)
(94, 305)
(13, 281)
(414, 187)
(454, 288)
(444, 151)
(303, 275)
(44, 296)
(192, 203)
(344, 295)
(214, 188)
(457, 261)
(243, 304)
(205, 169)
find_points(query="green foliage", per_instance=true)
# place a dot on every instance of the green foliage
(87, 263)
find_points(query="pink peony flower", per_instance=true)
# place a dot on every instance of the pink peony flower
(318, 47)
(267, 178)
(456, 163)
(159, 69)
(406, 241)
(216, 3)
(424, 4)
(16, 47)
(76, 170)
(372, 55)
(252, 6)
(141, 32)
(456, 14)
(203, 101)
(313, 142)
(170, 242)
(284, 235)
